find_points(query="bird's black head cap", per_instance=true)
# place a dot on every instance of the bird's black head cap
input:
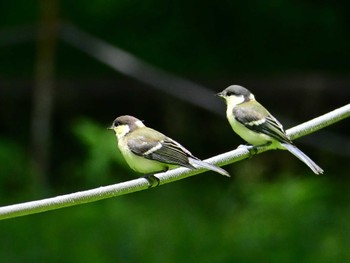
(235, 90)
(131, 121)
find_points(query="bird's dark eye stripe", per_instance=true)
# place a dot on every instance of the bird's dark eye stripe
(230, 92)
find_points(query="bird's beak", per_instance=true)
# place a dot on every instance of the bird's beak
(219, 94)
(110, 128)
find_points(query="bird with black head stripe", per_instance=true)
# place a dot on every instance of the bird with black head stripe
(255, 124)
(148, 151)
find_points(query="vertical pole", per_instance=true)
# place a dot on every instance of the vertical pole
(43, 92)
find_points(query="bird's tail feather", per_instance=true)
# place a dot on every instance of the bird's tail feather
(303, 157)
(208, 166)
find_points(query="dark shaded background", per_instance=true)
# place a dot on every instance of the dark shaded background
(56, 101)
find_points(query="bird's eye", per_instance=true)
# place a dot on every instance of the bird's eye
(116, 123)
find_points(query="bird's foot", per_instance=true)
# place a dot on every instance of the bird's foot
(152, 180)
(253, 150)
(250, 148)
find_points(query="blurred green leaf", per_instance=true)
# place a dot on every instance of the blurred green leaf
(15, 172)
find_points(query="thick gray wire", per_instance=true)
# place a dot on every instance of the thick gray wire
(167, 177)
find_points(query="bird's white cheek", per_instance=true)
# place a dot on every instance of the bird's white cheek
(234, 100)
(121, 131)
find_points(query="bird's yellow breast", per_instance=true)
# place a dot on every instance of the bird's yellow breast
(246, 134)
(139, 163)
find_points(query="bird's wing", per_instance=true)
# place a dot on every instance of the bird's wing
(258, 119)
(153, 145)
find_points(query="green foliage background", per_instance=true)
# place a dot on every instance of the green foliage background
(272, 210)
